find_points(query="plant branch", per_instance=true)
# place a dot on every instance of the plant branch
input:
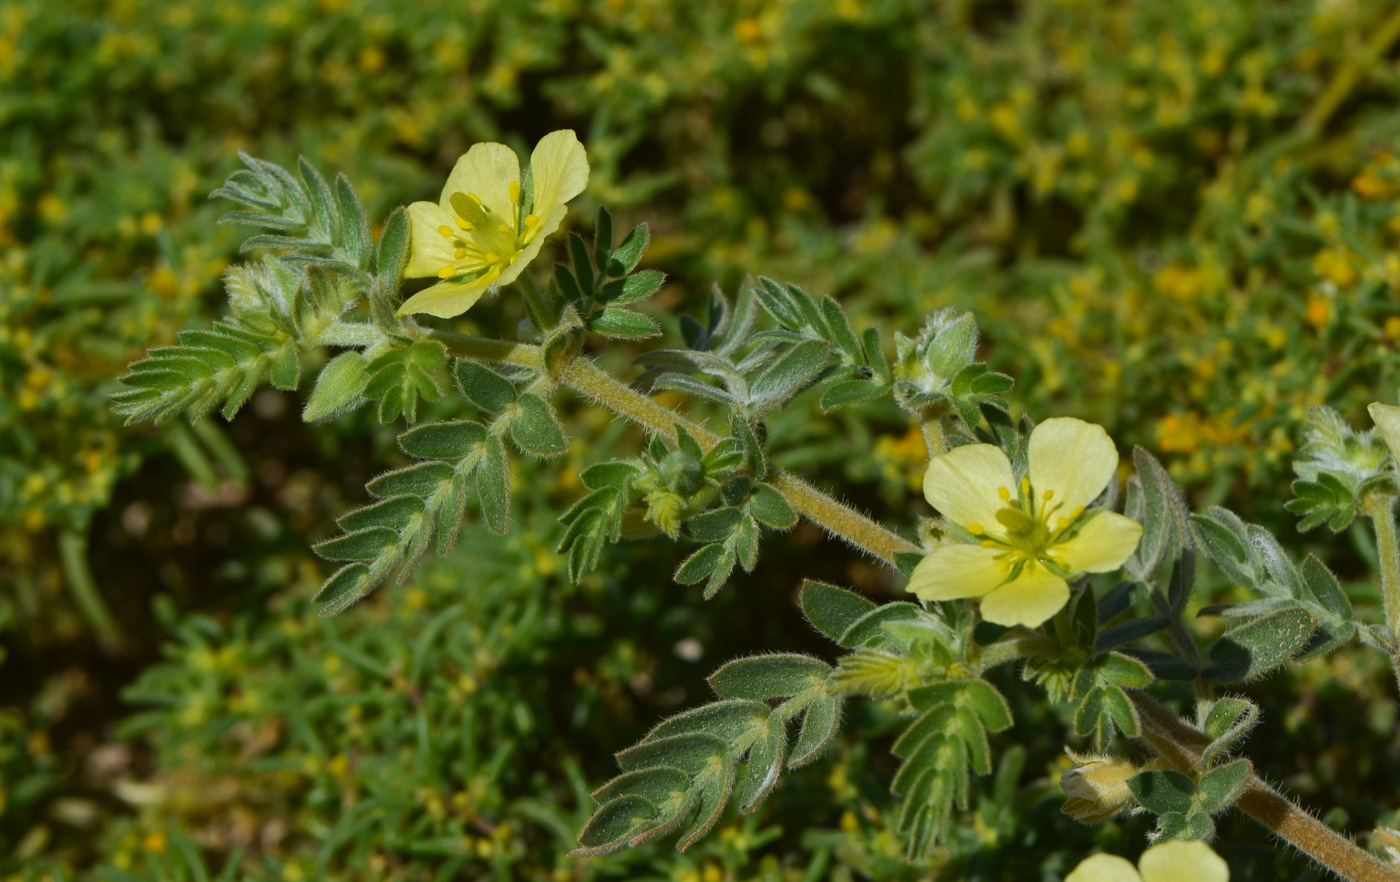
(1181, 745)
(1349, 75)
(72, 553)
(499, 351)
(581, 375)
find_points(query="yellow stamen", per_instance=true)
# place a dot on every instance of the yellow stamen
(447, 272)
(1063, 522)
(475, 198)
(445, 230)
(1077, 512)
(1004, 494)
(975, 529)
(492, 257)
(531, 220)
(460, 254)
(1049, 494)
(987, 543)
(514, 191)
(503, 228)
(1026, 486)
(464, 224)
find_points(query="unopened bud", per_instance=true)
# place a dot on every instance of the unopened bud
(1097, 787)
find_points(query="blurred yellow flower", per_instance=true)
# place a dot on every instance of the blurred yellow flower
(1168, 862)
(1032, 537)
(485, 229)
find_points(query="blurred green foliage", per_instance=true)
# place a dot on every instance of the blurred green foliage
(1178, 220)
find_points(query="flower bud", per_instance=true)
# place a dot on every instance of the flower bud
(1387, 419)
(1097, 787)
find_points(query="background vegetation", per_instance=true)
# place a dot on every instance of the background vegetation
(1178, 220)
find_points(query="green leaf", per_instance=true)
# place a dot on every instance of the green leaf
(286, 367)
(709, 806)
(1163, 791)
(869, 630)
(614, 475)
(700, 565)
(819, 724)
(628, 254)
(1120, 709)
(536, 430)
(691, 753)
(602, 238)
(1228, 722)
(785, 377)
(1163, 512)
(346, 586)
(842, 334)
(354, 223)
(447, 440)
(657, 786)
(395, 513)
(361, 545)
(1260, 646)
(337, 388)
(1222, 786)
(770, 507)
(832, 610)
(989, 705)
(728, 721)
(639, 287)
(1122, 670)
(483, 387)
(851, 392)
(613, 825)
(761, 677)
(1089, 716)
(756, 776)
(493, 486)
(624, 324)
(749, 446)
(1129, 631)
(421, 479)
(392, 253)
(1325, 588)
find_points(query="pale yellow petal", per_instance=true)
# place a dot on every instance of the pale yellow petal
(963, 485)
(428, 250)
(448, 298)
(1387, 419)
(559, 169)
(1071, 458)
(527, 254)
(1102, 545)
(956, 571)
(1104, 868)
(486, 171)
(1029, 599)
(1182, 862)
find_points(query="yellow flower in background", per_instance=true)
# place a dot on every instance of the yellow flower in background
(1168, 862)
(1033, 535)
(487, 228)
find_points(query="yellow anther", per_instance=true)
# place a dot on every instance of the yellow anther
(503, 228)
(475, 198)
(445, 230)
(531, 220)
(492, 257)
(1004, 494)
(447, 272)
(460, 253)
(987, 543)
(1049, 494)
(1026, 486)
(514, 191)
(1077, 512)
(975, 529)
(464, 223)
(1062, 523)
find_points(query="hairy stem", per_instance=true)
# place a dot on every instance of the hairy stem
(1380, 508)
(1181, 745)
(499, 351)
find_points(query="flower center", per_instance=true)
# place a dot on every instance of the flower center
(485, 242)
(1031, 528)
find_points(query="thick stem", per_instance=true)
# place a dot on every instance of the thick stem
(1026, 644)
(1380, 508)
(583, 376)
(1181, 745)
(934, 438)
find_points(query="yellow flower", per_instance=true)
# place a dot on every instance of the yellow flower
(486, 228)
(1168, 862)
(1033, 536)
(1096, 788)
(1387, 419)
